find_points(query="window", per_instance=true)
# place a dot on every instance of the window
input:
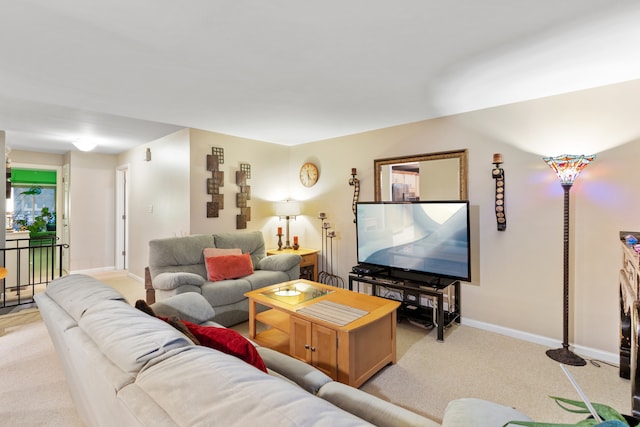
(31, 191)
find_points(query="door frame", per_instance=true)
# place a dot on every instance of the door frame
(122, 217)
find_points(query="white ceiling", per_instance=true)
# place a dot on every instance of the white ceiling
(127, 72)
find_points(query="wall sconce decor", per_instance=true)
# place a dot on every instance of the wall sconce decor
(147, 155)
(243, 196)
(567, 167)
(287, 209)
(498, 175)
(214, 160)
(356, 191)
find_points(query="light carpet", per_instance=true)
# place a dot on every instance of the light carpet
(477, 363)
(33, 389)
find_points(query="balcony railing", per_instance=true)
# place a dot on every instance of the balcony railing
(31, 264)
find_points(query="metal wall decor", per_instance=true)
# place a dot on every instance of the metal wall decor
(243, 196)
(498, 175)
(214, 160)
(356, 191)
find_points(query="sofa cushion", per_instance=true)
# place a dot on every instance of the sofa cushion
(77, 292)
(227, 341)
(262, 278)
(174, 254)
(472, 412)
(228, 267)
(129, 337)
(225, 292)
(207, 252)
(173, 280)
(251, 242)
(227, 392)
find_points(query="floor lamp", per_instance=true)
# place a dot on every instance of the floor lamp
(567, 167)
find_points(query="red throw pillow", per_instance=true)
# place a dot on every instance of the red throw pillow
(228, 266)
(228, 341)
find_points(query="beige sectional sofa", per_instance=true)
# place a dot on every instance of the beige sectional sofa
(127, 368)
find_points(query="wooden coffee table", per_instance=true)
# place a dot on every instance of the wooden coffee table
(348, 335)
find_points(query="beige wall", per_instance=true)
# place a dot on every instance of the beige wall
(158, 194)
(35, 158)
(269, 168)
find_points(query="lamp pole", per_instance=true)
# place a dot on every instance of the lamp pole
(287, 244)
(567, 168)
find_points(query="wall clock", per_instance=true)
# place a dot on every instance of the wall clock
(308, 174)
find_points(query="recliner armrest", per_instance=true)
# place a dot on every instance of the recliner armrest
(188, 306)
(279, 262)
(168, 281)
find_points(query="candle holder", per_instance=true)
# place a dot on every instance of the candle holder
(279, 241)
(296, 246)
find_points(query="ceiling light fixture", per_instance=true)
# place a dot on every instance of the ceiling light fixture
(84, 145)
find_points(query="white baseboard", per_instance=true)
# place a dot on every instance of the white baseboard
(585, 352)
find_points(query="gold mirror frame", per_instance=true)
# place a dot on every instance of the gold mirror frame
(461, 155)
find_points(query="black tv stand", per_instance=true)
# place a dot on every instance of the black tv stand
(422, 297)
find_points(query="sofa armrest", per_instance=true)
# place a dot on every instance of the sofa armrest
(168, 281)
(303, 374)
(371, 408)
(279, 262)
(188, 306)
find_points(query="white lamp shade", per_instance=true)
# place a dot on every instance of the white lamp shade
(287, 208)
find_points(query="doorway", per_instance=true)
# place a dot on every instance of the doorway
(122, 218)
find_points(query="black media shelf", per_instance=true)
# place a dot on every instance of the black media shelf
(422, 300)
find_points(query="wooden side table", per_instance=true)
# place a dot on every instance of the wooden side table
(308, 264)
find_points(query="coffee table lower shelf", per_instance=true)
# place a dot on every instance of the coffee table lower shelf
(276, 336)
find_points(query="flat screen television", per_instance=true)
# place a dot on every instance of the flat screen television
(429, 238)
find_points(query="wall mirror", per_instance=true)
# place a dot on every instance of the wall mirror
(434, 176)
